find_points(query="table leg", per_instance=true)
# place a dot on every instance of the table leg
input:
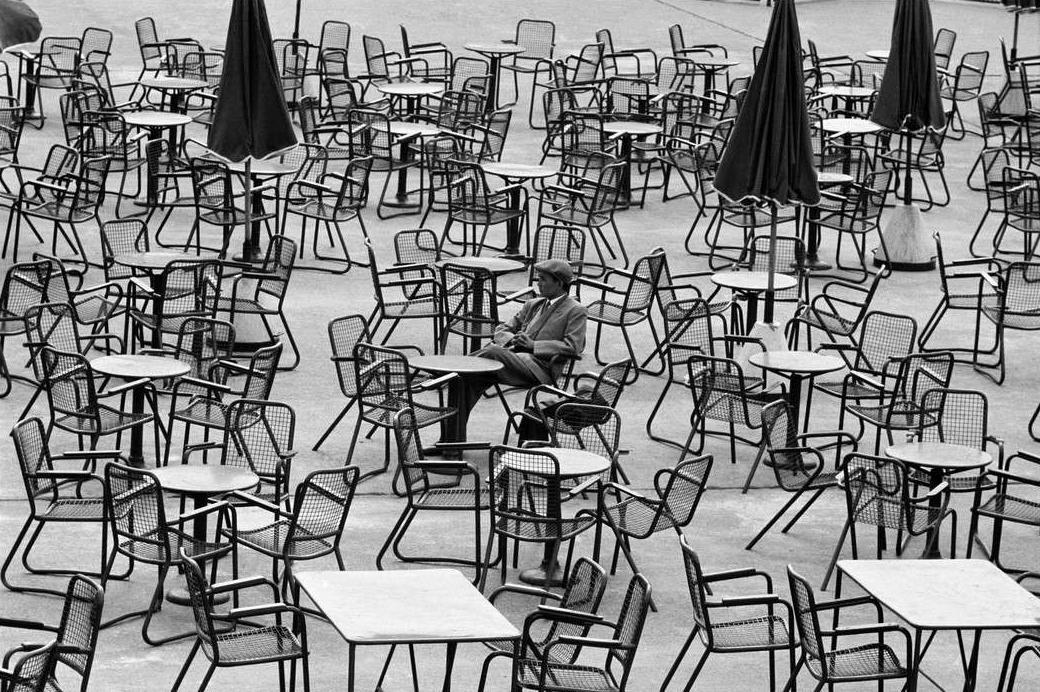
(935, 477)
(454, 429)
(513, 225)
(251, 244)
(158, 288)
(178, 595)
(30, 90)
(548, 573)
(150, 177)
(625, 184)
(449, 663)
(406, 154)
(136, 457)
(351, 656)
(812, 259)
(971, 673)
(914, 666)
(752, 311)
(492, 100)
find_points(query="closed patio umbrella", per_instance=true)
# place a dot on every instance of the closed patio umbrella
(769, 156)
(18, 24)
(251, 119)
(909, 102)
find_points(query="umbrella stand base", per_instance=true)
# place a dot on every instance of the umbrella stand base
(906, 242)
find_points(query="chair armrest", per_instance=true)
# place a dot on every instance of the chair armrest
(436, 381)
(244, 583)
(738, 601)
(133, 384)
(256, 610)
(569, 616)
(206, 384)
(259, 503)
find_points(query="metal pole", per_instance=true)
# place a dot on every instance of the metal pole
(768, 314)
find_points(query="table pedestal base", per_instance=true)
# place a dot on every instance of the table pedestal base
(906, 241)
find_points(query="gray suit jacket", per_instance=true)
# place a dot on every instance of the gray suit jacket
(557, 331)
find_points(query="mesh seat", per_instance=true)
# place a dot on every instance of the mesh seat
(1014, 499)
(865, 662)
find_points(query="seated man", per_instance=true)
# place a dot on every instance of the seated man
(536, 343)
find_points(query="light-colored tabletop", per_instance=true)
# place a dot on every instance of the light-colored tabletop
(402, 128)
(495, 48)
(263, 168)
(846, 90)
(416, 606)
(573, 463)
(157, 259)
(495, 265)
(715, 63)
(939, 455)
(833, 178)
(409, 88)
(946, 594)
(452, 363)
(881, 55)
(518, 171)
(850, 126)
(630, 127)
(796, 362)
(205, 479)
(173, 83)
(753, 282)
(133, 367)
(155, 119)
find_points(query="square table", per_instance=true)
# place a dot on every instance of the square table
(425, 606)
(947, 595)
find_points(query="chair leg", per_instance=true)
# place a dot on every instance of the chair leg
(678, 659)
(187, 664)
(837, 552)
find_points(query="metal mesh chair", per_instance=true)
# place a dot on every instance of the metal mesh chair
(106, 133)
(631, 62)
(473, 204)
(1018, 295)
(310, 531)
(859, 213)
(878, 493)
(582, 594)
(261, 436)
(201, 343)
(25, 285)
(469, 304)
(204, 402)
(1015, 499)
(33, 671)
(54, 69)
(417, 474)
(538, 37)
(538, 669)
(54, 495)
(852, 662)
(370, 135)
(344, 333)
(837, 310)
(797, 465)
(943, 47)
(245, 642)
(330, 135)
(627, 307)
(187, 288)
(734, 623)
(525, 504)
(966, 86)
(1021, 206)
(143, 533)
(679, 491)
(218, 204)
(403, 292)
(960, 417)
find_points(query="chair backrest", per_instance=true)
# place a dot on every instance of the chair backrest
(382, 377)
(1021, 295)
(11, 124)
(320, 510)
(71, 389)
(205, 66)
(955, 416)
(147, 39)
(468, 296)
(54, 325)
(675, 38)
(605, 193)
(803, 599)
(675, 74)
(201, 605)
(583, 593)
(469, 74)
(515, 511)
(458, 110)
(416, 246)
(191, 289)
(628, 97)
(344, 334)
(310, 119)
(375, 57)
(719, 389)
(341, 92)
(788, 458)
(263, 366)
(211, 185)
(203, 341)
(919, 373)
(34, 671)
(137, 514)
(26, 284)
(79, 625)
(884, 336)
(971, 72)
(263, 433)
(492, 135)
(278, 263)
(334, 36)
(538, 37)
(59, 56)
(30, 446)
(587, 426)
(943, 48)
(788, 258)
(588, 64)
(95, 44)
(370, 134)
(118, 237)
(682, 486)
(700, 591)
(629, 629)
(558, 242)
(876, 490)
(409, 451)
(642, 287)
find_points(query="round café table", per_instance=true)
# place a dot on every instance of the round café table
(494, 52)
(453, 429)
(879, 55)
(516, 173)
(627, 130)
(177, 88)
(712, 66)
(154, 263)
(571, 464)
(411, 93)
(138, 367)
(848, 128)
(749, 285)
(259, 171)
(938, 459)
(494, 265)
(846, 92)
(812, 250)
(797, 366)
(199, 483)
(155, 122)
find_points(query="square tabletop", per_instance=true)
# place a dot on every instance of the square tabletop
(425, 606)
(947, 594)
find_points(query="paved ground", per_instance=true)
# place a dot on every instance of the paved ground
(726, 518)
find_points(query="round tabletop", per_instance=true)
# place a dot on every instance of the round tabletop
(833, 178)
(849, 91)
(716, 63)
(573, 463)
(631, 127)
(173, 83)
(518, 171)
(850, 126)
(204, 479)
(881, 55)
(939, 455)
(409, 88)
(402, 128)
(155, 119)
(752, 282)
(263, 168)
(451, 363)
(796, 362)
(495, 265)
(156, 259)
(495, 48)
(133, 367)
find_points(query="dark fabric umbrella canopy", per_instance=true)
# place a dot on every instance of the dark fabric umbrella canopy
(909, 94)
(769, 155)
(18, 24)
(251, 118)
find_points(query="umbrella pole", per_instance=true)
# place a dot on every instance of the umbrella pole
(247, 242)
(296, 23)
(908, 182)
(768, 313)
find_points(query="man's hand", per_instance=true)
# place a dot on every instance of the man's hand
(523, 342)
